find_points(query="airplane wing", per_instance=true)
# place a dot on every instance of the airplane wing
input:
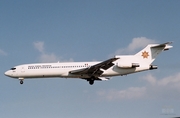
(95, 69)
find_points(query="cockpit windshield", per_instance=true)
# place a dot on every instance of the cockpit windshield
(13, 68)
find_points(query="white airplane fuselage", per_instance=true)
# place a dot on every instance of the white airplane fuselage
(43, 70)
(91, 71)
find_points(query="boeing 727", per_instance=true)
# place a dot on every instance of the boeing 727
(117, 66)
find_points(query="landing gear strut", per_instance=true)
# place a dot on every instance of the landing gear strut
(21, 80)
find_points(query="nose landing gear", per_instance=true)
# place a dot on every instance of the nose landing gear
(21, 80)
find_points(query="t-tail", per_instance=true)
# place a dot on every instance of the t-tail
(150, 52)
(143, 59)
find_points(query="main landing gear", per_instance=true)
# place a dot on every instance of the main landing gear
(91, 80)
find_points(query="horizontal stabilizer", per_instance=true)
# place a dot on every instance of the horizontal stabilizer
(165, 45)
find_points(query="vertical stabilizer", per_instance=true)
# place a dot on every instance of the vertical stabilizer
(150, 52)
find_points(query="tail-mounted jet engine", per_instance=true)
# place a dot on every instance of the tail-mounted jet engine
(127, 65)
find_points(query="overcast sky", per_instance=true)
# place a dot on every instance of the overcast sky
(49, 31)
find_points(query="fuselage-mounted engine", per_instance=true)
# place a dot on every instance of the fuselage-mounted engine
(127, 65)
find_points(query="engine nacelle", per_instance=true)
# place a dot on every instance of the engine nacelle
(127, 65)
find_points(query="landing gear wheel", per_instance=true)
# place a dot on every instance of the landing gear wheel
(91, 82)
(21, 81)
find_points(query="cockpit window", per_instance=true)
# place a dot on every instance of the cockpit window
(13, 68)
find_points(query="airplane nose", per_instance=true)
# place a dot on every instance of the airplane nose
(7, 73)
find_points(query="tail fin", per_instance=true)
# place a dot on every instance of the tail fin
(150, 52)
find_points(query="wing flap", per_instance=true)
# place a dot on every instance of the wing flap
(103, 78)
(98, 78)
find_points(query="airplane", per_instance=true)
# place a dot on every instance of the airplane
(117, 66)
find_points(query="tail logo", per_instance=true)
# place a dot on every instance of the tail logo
(145, 54)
